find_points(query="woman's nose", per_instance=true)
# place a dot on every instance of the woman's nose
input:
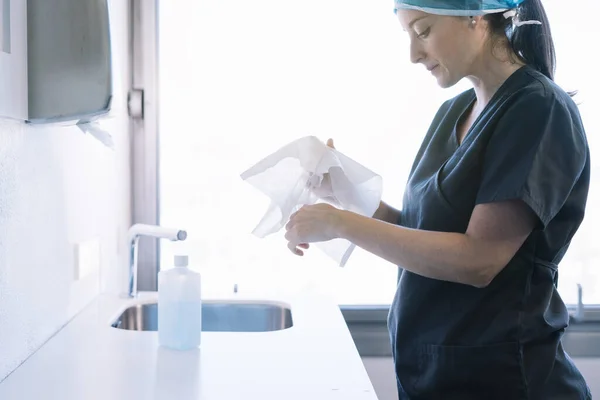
(416, 51)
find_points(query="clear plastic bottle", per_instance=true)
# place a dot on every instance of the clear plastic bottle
(179, 306)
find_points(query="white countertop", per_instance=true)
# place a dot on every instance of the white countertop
(88, 359)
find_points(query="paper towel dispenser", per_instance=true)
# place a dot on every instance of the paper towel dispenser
(58, 63)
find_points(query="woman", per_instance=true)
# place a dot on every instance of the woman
(496, 192)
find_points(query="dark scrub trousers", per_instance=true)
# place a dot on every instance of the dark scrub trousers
(455, 341)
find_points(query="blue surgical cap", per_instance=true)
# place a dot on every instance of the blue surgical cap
(457, 7)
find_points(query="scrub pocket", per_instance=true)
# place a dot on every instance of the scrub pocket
(470, 372)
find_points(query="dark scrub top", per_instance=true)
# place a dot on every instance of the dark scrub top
(455, 341)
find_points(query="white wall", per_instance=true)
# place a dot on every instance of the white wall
(59, 187)
(381, 372)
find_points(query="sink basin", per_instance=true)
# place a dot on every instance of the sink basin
(216, 317)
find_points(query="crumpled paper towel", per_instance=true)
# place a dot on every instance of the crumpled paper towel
(307, 171)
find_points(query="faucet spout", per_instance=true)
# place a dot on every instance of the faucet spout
(155, 231)
(134, 234)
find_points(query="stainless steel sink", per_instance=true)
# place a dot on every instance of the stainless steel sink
(216, 317)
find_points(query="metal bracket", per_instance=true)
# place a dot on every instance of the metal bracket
(135, 103)
(580, 310)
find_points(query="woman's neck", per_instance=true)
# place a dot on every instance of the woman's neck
(490, 73)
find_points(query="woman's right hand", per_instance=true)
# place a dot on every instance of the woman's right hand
(324, 190)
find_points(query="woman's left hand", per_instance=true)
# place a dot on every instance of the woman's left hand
(312, 223)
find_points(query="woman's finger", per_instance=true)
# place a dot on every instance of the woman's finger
(294, 249)
(289, 236)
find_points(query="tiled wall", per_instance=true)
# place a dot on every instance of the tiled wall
(59, 187)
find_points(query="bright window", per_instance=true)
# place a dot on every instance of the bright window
(239, 79)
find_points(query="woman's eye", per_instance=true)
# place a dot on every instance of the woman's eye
(424, 34)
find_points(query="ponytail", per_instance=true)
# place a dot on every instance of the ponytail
(533, 44)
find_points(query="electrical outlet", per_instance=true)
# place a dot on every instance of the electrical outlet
(87, 258)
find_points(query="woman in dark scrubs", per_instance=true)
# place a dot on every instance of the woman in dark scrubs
(495, 195)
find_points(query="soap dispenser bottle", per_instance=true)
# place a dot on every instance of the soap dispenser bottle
(179, 306)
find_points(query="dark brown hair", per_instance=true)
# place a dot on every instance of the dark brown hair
(533, 44)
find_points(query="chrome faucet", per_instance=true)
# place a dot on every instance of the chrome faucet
(134, 234)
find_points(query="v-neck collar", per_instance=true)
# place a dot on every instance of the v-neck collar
(465, 109)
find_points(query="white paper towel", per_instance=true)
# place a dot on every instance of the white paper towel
(307, 171)
(94, 129)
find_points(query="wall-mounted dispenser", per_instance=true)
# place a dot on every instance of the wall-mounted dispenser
(55, 60)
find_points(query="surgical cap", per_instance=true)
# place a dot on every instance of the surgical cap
(458, 7)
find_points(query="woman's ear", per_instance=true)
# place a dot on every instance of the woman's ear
(475, 21)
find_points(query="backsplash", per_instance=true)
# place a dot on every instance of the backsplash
(54, 192)
(59, 187)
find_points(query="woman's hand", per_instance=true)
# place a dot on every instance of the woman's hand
(324, 190)
(305, 226)
(312, 223)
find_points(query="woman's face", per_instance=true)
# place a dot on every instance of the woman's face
(447, 46)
